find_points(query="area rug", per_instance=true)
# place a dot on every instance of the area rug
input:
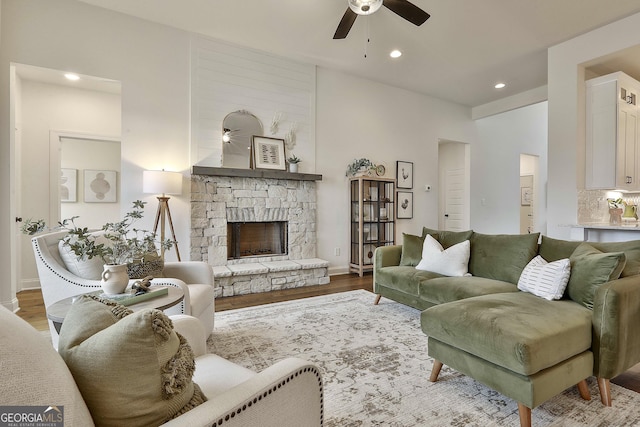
(375, 367)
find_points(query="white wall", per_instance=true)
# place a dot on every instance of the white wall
(354, 118)
(360, 118)
(46, 107)
(227, 78)
(495, 168)
(566, 91)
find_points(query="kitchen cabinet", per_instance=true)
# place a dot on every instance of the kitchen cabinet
(372, 219)
(612, 146)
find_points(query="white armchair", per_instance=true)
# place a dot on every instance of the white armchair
(57, 283)
(288, 393)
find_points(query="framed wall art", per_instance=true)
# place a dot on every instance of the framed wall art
(525, 196)
(404, 174)
(100, 186)
(405, 204)
(68, 185)
(268, 153)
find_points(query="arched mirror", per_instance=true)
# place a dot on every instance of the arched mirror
(238, 128)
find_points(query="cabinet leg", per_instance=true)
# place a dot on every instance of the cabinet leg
(377, 299)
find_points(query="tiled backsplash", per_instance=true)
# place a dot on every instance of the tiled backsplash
(594, 208)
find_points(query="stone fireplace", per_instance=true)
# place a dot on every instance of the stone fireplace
(275, 212)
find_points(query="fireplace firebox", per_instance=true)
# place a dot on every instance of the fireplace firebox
(256, 239)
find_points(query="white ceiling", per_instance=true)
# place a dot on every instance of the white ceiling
(458, 54)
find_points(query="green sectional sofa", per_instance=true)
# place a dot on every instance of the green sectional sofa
(522, 345)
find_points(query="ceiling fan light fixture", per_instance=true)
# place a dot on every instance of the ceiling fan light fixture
(365, 7)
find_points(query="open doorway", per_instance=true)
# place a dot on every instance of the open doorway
(454, 184)
(48, 106)
(528, 193)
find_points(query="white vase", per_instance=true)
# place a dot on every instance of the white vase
(293, 167)
(114, 279)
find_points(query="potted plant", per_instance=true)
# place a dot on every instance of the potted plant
(360, 166)
(615, 210)
(293, 163)
(127, 252)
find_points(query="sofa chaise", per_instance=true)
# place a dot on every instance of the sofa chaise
(521, 345)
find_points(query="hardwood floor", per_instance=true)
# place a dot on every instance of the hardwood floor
(32, 309)
(32, 306)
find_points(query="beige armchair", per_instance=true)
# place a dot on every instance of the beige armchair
(288, 393)
(57, 283)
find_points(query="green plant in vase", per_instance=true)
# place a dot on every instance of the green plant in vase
(293, 161)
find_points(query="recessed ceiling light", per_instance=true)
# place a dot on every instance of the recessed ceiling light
(71, 76)
(500, 85)
(395, 53)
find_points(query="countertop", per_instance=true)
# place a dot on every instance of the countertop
(626, 225)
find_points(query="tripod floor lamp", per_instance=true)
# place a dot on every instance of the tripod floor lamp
(163, 182)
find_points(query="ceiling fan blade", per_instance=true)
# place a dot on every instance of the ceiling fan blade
(345, 24)
(406, 10)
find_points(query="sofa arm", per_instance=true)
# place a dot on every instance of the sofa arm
(288, 393)
(616, 314)
(192, 329)
(387, 256)
(189, 272)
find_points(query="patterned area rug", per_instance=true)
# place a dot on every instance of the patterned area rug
(376, 369)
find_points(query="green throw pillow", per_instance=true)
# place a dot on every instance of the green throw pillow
(448, 238)
(502, 256)
(411, 249)
(591, 268)
(631, 251)
(555, 249)
(132, 369)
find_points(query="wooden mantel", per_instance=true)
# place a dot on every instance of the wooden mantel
(254, 173)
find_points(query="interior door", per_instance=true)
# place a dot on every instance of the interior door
(454, 202)
(454, 183)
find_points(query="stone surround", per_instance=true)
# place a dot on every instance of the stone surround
(217, 200)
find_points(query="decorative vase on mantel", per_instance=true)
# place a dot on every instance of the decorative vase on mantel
(293, 167)
(114, 279)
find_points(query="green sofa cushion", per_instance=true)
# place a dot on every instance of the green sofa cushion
(502, 256)
(403, 278)
(516, 330)
(447, 289)
(448, 238)
(554, 249)
(591, 268)
(411, 249)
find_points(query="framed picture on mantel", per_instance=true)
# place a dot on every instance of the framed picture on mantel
(268, 153)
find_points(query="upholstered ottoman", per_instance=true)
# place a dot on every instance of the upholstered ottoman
(523, 346)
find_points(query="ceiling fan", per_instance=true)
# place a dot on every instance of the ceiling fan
(402, 8)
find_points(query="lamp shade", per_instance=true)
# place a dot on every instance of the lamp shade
(156, 182)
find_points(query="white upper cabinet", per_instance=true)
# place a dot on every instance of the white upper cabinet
(612, 149)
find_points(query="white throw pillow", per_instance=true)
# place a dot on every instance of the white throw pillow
(88, 268)
(454, 261)
(545, 279)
